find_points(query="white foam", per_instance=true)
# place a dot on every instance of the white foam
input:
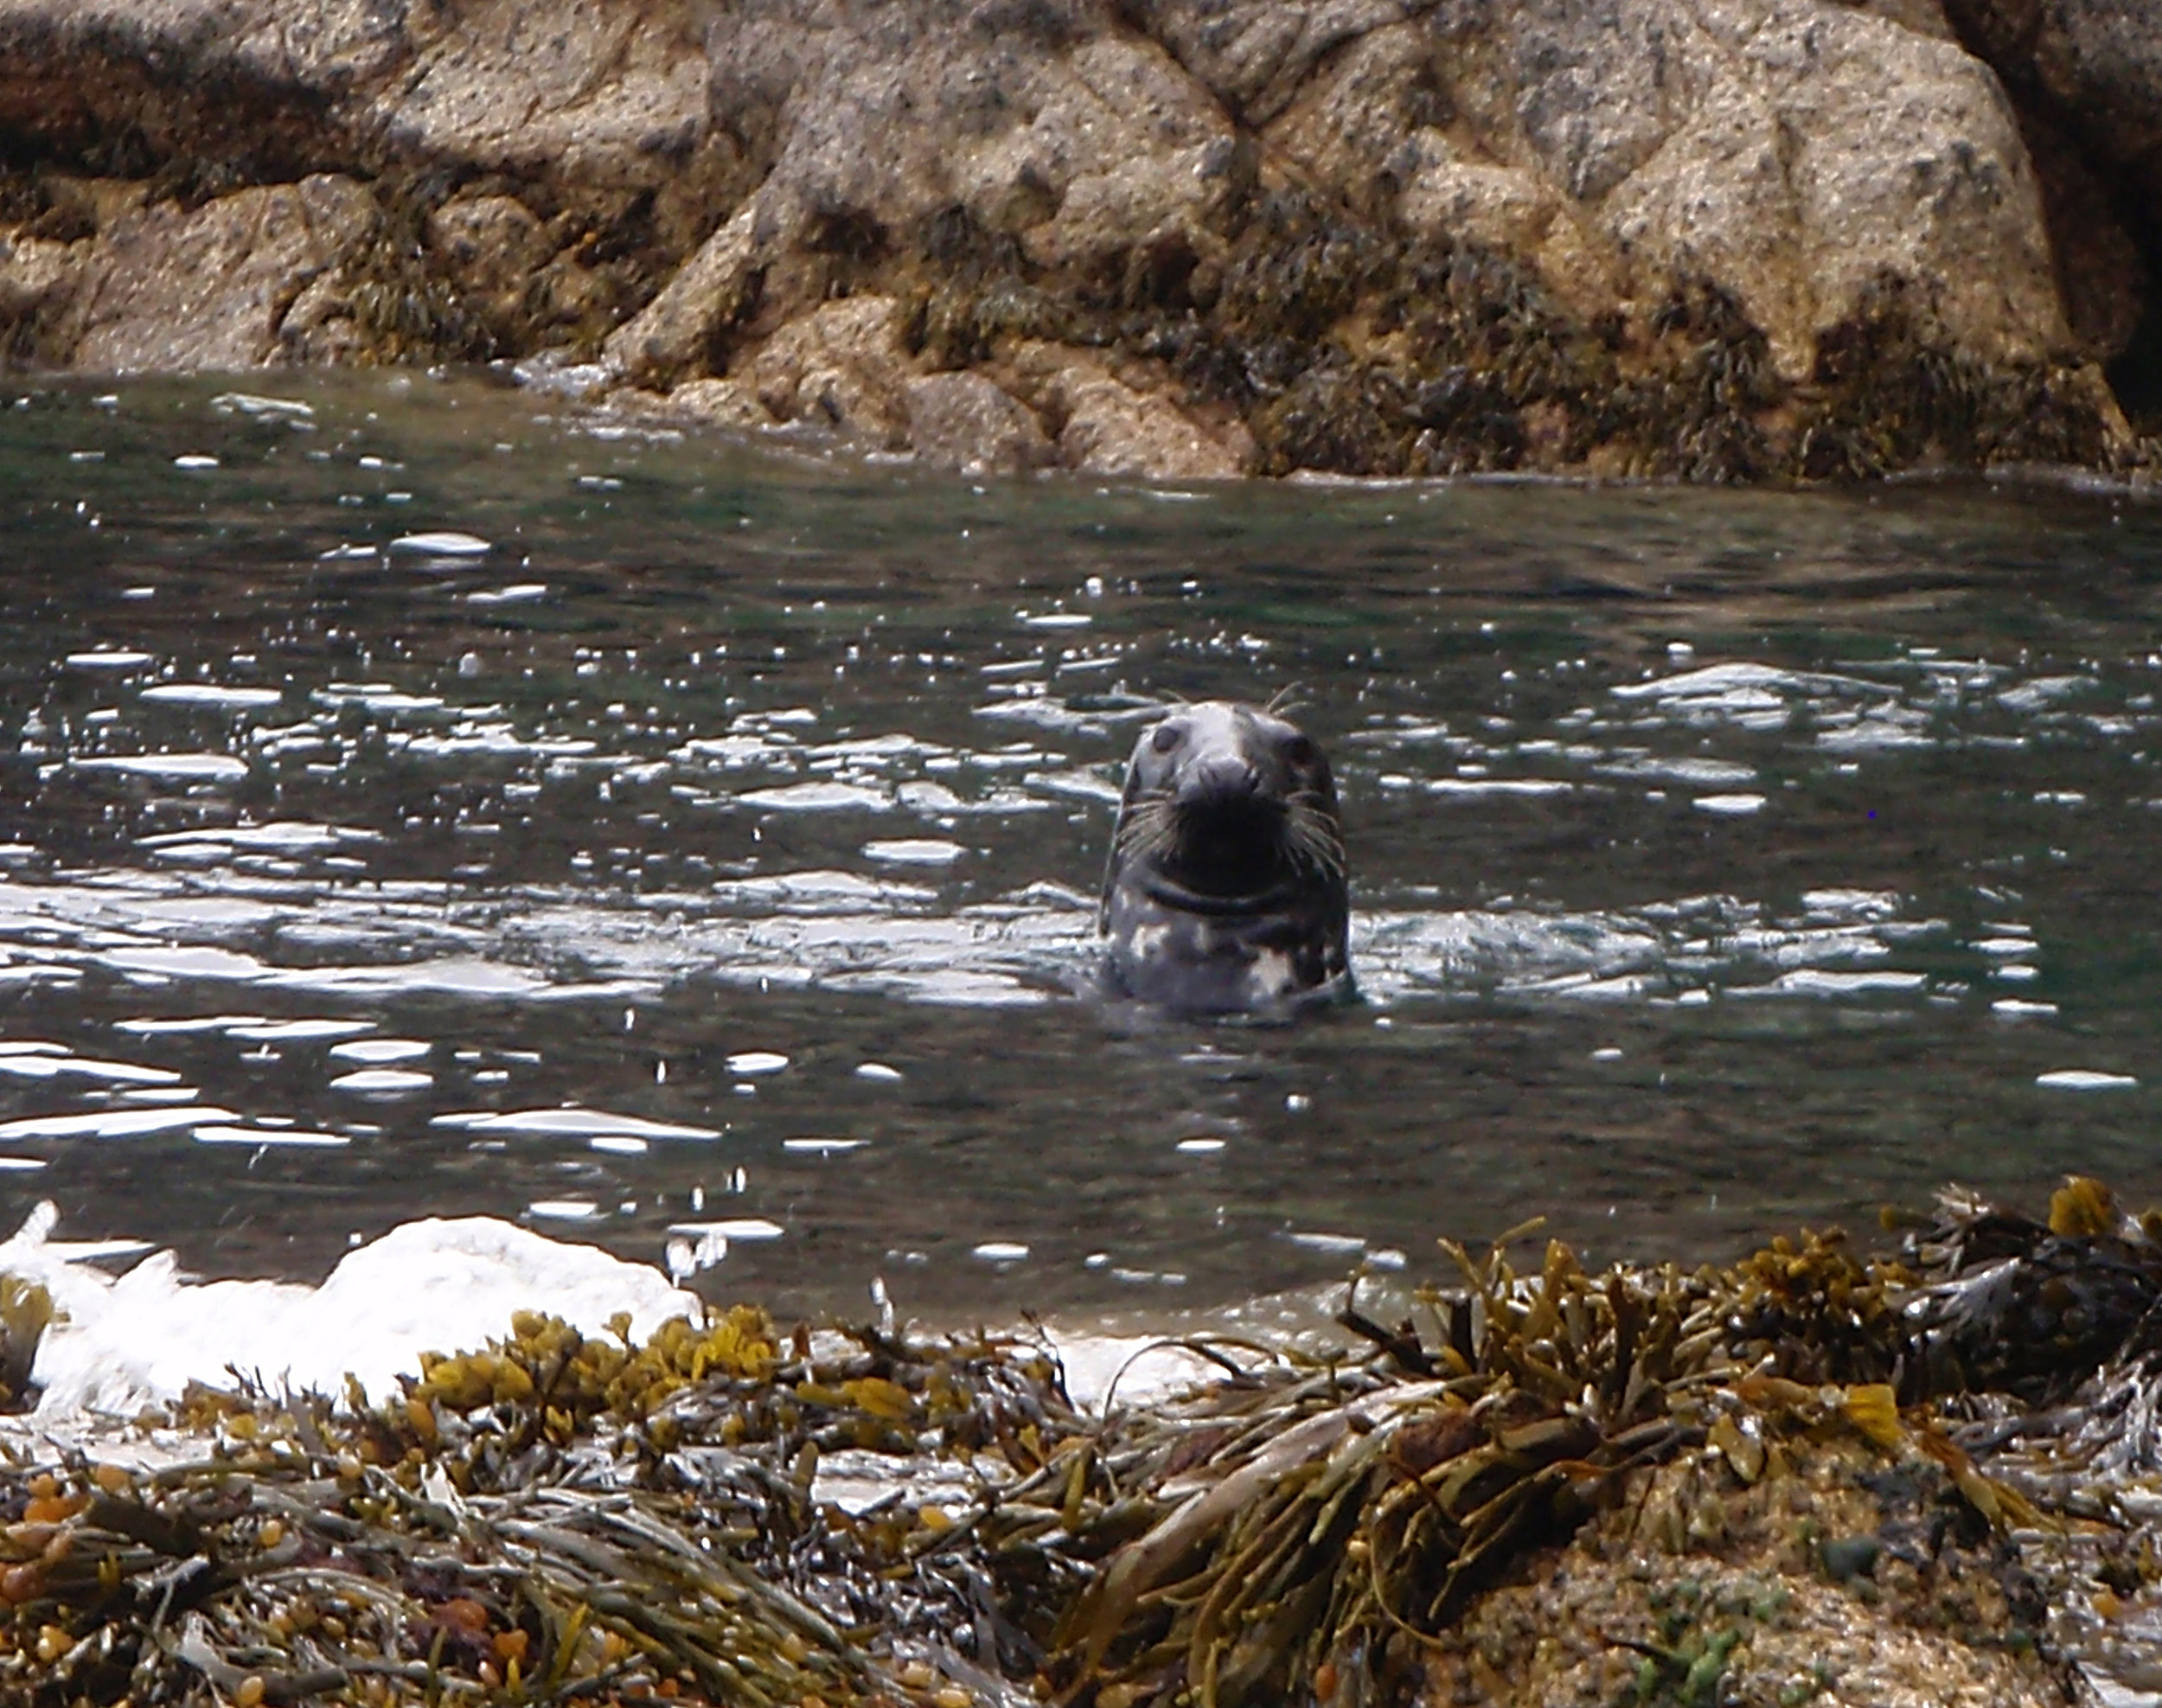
(1822, 981)
(618, 1144)
(1334, 1244)
(293, 1136)
(282, 835)
(914, 851)
(267, 408)
(161, 1027)
(298, 1032)
(44, 1066)
(2084, 1079)
(1718, 681)
(741, 1227)
(430, 1285)
(379, 1052)
(1498, 785)
(2011, 1008)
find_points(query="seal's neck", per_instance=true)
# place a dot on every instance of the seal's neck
(1168, 893)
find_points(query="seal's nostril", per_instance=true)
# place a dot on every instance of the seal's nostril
(1221, 777)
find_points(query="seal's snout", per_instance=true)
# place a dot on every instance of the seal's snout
(1219, 779)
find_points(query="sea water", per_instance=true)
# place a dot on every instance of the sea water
(431, 805)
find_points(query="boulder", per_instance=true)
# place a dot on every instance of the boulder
(1121, 426)
(685, 323)
(491, 245)
(166, 290)
(2097, 62)
(33, 272)
(1254, 56)
(840, 367)
(963, 422)
(2088, 77)
(720, 403)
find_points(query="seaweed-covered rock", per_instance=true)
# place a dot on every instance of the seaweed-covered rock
(1837, 1579)
(1368, 236)
(1645, 1484)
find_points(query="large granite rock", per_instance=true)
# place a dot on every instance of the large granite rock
(1180, 238)
(171, 292)
(2088, 77)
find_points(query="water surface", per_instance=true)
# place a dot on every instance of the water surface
(418, 799)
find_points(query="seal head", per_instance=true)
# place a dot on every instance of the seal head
(1226, 892)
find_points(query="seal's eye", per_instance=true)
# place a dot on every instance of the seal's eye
(1299, 753)
(1168, 736)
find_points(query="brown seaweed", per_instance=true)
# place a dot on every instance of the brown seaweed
(569, 1518)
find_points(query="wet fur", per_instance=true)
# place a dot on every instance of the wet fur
(1227, 890)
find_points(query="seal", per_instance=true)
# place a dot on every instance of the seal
(1227, 890)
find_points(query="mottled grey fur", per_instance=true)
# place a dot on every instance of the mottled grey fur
(1226, 891)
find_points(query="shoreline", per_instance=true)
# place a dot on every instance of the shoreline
(1800, 1477)
(1809, 241)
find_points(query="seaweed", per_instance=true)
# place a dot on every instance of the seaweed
(564, 1518)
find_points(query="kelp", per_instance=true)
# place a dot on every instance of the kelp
(559, 1517)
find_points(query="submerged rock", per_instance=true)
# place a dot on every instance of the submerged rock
(1180, 239)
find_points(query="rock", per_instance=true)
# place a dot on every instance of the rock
(2097, 62)
(321, 326)
(33, 272)
(1376, 124)
(722, 403)
(2105, 283)
(1254, 54)
(171, 291)
(1726, 239)
(2088, 77)
(489, 244)
(680, 327)
(1117, 429)
(963, 422)
(840, 367)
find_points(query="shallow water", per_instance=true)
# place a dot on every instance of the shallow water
(694, 853)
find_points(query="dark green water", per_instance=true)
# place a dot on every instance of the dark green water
(1722, 861)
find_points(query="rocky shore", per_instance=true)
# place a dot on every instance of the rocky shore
(1803, 1478)
(1722, 239)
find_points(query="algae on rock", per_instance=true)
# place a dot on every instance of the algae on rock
(1747, 239)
